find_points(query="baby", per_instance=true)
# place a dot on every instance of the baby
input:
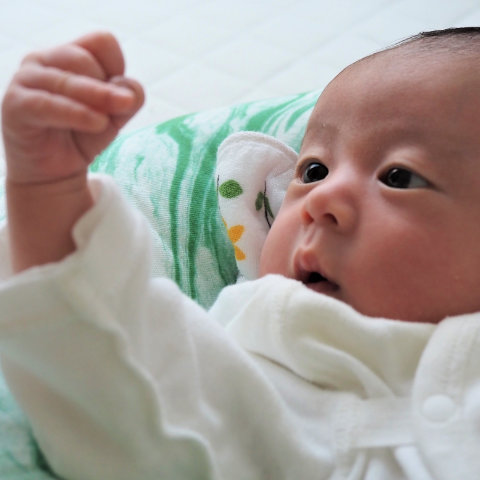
(386, 200)
(123, 377)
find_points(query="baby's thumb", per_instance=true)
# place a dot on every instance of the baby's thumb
(120, 120)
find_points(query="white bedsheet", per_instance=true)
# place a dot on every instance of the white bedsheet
(196, 54)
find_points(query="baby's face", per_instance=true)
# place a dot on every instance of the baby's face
(384, 209)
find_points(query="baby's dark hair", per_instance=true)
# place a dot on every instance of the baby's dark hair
(465, 33)
(457, 42)
(461, 40)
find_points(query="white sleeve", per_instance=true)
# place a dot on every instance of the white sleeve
(125, 377)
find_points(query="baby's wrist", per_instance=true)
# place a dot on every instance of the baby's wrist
(49, 199)
(22, 174)
(41, 217)
(36, 185)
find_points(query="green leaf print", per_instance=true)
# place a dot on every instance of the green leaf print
(230, 189)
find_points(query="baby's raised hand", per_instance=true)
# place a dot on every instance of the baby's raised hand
(64, 106)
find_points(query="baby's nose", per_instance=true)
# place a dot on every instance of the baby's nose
(332, 203)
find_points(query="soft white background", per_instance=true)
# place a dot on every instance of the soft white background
(197, 54)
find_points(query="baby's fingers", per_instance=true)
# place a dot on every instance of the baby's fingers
(120, 119)
(36, 108)
(99, 95)
(96, 55)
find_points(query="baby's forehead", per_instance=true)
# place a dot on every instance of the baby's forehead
(436, 96)
(453, 51)
(416, 62)
(438, 76)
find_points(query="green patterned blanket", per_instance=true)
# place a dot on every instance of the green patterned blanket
(167, 171)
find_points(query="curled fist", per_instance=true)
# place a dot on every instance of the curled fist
(64, 106)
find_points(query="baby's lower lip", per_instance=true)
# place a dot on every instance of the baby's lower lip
(317, 282)
(325, 287)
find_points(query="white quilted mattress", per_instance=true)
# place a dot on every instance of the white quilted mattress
(197, 54)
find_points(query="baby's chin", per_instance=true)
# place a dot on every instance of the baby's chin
(399, 309)
(410, 315)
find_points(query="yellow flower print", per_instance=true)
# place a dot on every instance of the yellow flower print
(234, 234)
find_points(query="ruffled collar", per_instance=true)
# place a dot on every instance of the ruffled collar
(322, 339)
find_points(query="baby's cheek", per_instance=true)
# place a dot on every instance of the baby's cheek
(276, 250)
(265, 260)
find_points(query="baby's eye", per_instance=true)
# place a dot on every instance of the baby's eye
(314, 172)
(402, 178)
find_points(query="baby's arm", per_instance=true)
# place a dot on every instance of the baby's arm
(63, 107)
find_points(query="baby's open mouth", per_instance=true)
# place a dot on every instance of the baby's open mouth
(316, 281)
(315, 277)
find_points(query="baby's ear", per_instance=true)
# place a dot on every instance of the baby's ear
(253, 173)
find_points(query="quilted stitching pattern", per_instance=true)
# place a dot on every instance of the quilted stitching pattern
(195, 54)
